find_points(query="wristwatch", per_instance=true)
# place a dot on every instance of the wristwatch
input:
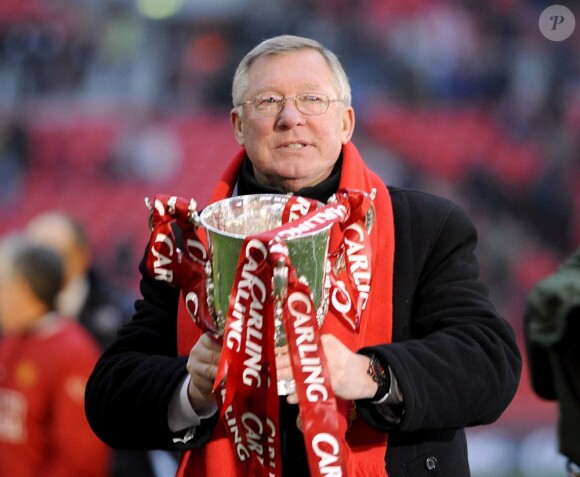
(380, 376)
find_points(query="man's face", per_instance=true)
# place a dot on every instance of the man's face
(15, 299)
(293, 150)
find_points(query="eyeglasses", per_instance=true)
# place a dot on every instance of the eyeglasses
(307, 103)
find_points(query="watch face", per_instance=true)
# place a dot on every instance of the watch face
(375, 367)
(379, 376)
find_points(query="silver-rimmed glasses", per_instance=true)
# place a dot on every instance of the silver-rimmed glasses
(307, 103)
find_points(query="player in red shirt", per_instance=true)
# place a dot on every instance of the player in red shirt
(45, 361)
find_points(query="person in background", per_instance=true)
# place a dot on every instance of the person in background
(552, 334)
(45, 361)
(101, 309)
(85, 295)
(431, 357)
(14, 157)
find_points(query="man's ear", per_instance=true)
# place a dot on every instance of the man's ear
(237, 125)
(348, 121)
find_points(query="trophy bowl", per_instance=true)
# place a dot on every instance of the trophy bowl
(228, 222)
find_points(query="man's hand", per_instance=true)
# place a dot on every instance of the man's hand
(348, 370)
(202, 366)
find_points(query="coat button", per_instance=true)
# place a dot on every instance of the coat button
(431, 463)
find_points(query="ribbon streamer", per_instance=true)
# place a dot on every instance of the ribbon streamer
(246, 378)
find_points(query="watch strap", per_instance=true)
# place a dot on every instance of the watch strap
(380, 376)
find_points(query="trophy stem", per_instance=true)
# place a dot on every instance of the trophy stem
(279, 290)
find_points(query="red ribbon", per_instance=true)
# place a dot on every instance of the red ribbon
(185, 268)
(248, 360)
(249, 399)
(297, 207)
(324, 427)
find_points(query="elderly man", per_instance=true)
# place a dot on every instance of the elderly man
(429, 357)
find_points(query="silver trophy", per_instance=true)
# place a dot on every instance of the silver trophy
(227, 223)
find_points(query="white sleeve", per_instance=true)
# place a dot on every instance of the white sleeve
(181, 414)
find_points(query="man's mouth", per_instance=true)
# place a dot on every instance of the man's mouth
(293, 145)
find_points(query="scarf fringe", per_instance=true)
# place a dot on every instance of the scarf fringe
(362, 466)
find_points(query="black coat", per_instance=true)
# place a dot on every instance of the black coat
(455, 358)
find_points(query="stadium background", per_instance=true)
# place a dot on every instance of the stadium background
(106, 102)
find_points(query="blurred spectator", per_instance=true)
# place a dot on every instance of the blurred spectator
(14, 157)
(552, 331)
(203, 76)
(115, 70)
(87, 297)
(45, 361)
(551, 208)
(437, 44)
(148, 149)
(52, 58)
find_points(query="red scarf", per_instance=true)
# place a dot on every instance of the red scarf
(367, 448)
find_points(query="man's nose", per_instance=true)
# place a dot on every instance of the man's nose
(289, 116)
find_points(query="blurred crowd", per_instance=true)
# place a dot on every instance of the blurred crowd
(141, 67)
(452, 55)
(420, 55)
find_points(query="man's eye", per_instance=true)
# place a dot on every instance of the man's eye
(269, 100)
(311, 98)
